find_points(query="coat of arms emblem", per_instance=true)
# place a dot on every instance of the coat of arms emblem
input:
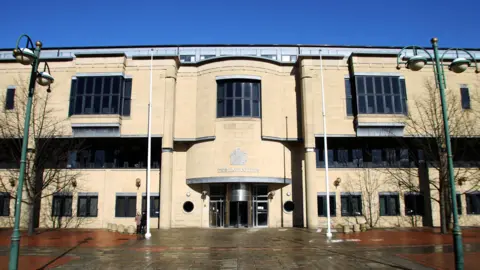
(238, 157)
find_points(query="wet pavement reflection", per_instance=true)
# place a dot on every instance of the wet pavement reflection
(286, 248)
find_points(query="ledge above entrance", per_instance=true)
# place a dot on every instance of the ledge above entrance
(239, 179)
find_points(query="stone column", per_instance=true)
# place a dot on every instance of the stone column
(167, 152)
(309, 141)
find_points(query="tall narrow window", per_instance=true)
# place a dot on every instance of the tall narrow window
(10, 99)
(459, 204)
(465, 95)
(4, 204)
(238, 98)
(348, 97)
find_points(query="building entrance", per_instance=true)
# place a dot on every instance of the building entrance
(238, 205)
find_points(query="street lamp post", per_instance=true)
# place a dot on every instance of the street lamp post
(458, 65)
(29, 55)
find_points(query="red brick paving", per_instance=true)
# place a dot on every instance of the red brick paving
(68, 238)
(36, 262)
(443, 261)
(410, 238)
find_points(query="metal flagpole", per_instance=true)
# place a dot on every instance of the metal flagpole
(149, 155)
(325, 147)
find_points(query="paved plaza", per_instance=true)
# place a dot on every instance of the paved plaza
(287, 248)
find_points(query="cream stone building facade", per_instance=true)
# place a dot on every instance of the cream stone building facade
(237, 136)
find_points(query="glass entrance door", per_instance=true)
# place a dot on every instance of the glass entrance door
(217, 205)
(217, 213)
(260, 205)
(239, 214)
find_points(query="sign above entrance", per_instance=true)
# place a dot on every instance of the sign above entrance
(238, 157)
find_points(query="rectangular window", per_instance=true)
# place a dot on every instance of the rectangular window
(10, 99)
(270, 56)
(4, 204)
(87, 206)
(389, 205)
(473, 203)
(465, 95)
(414, 204)
(187, 58)
(348, 97)
(62, 206)
(125, 206)
(238, 98)
(289, 58)
(100, 95)
(381, 95)
(322, 205)
(351, 205)
(207, 56)
(459, 204)
(154, 206)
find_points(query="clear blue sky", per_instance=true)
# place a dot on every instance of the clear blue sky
(139, 22)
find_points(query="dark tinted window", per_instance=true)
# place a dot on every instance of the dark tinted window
(154, 206)
(10, 99)
(4, 204)
(238, 98)
(414, 204)
(381, 95)
(348, 97)
(389, 205)
(465, 94)
(351, 205)
(125, 206)
(473, 203)
(62, 206)
(100, 95)
(322, 205)
(87, 206)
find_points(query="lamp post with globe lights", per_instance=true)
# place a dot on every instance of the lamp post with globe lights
(458, 65)
(28, 55)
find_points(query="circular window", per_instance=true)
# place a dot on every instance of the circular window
(288, 206)
(188, 206)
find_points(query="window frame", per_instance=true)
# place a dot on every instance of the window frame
(388, 212)
(126, 209)
(473, 200)
(152, 205)
(89, 100)
(333, 205)
(88, 204)
(350, 198)
(5, 204)
(375, 95)
(418, 198)
(465, 97)
(10, 99)
(227, 90)
(62, 198)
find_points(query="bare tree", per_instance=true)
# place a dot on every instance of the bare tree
(46, 172)
(425, 124)
(369, 182)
